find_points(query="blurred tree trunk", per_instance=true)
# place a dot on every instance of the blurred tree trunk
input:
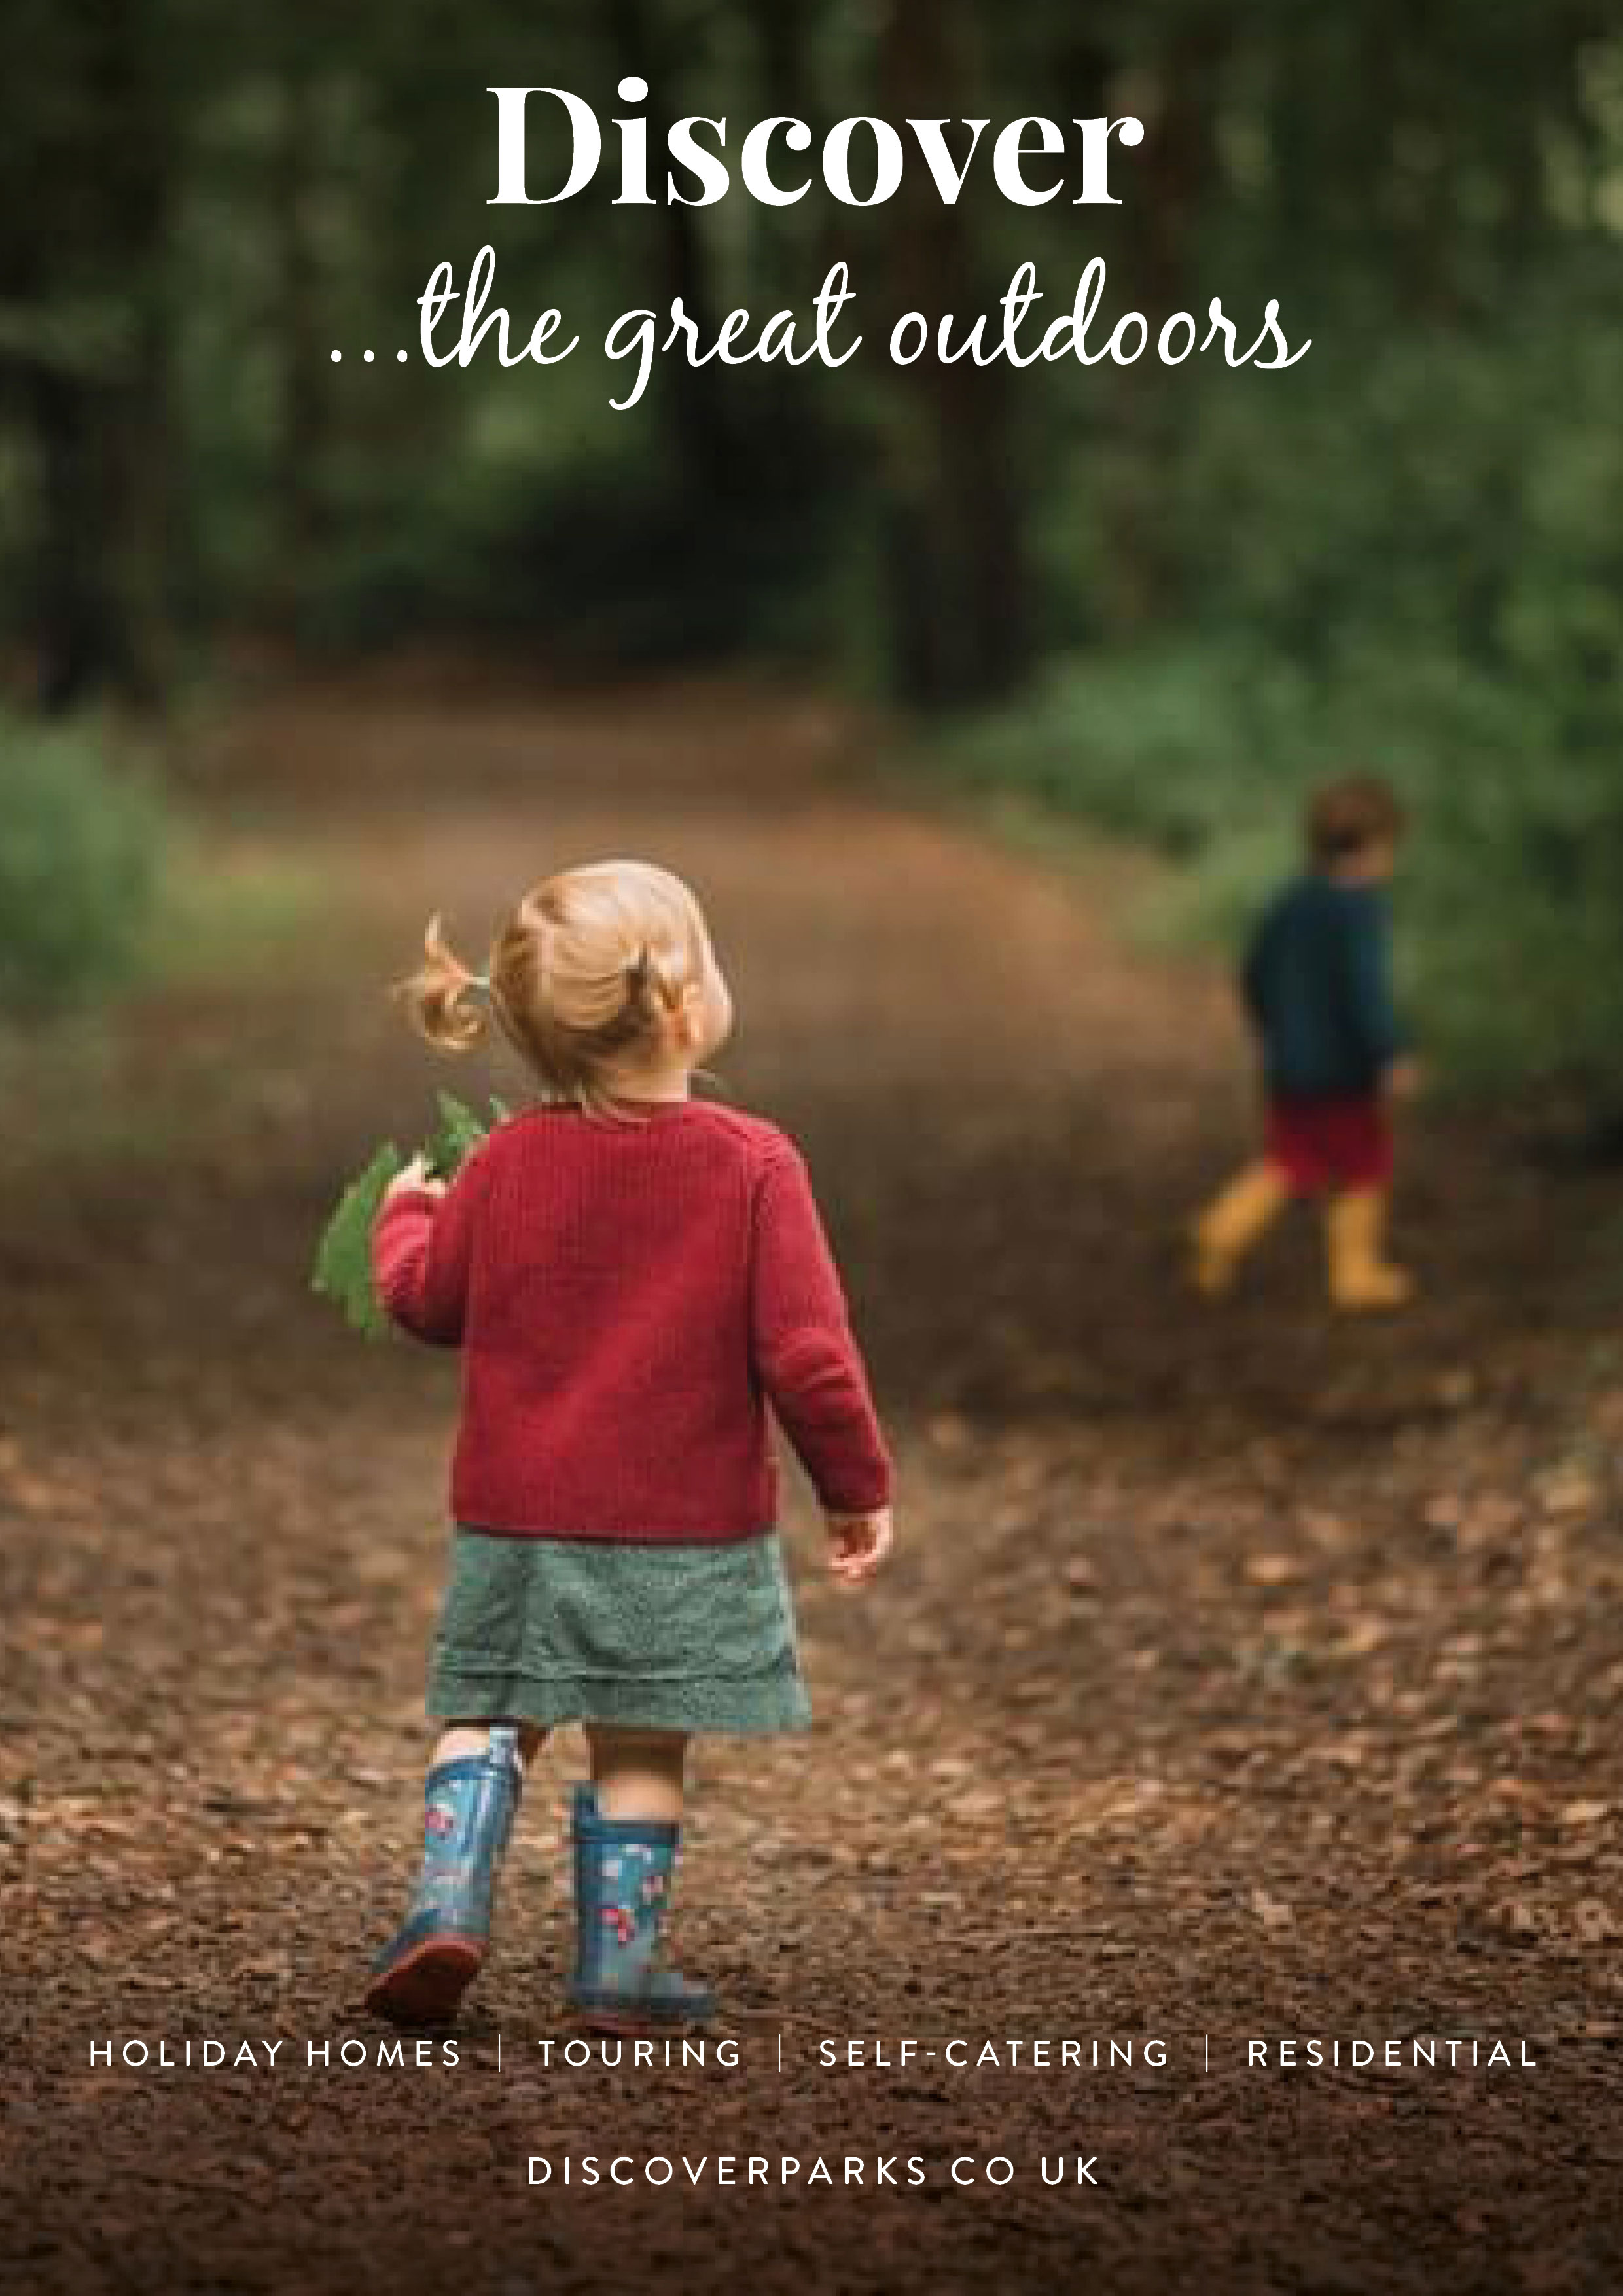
(1172, 175)
(952, 552)
(691, 396)
(137, 150)
(779, 31)
(303, 437)
(93, 370)
(781, 251)
(72, 620)
(1178, 163)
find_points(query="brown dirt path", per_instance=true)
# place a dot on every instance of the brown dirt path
(1239, 1675)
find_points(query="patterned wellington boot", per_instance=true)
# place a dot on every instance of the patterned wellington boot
(435, 1955)
(623, 1869)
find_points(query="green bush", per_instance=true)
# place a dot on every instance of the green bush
(81, 852)
(1510, 908)
(1422, 577)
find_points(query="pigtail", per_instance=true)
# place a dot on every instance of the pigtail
(650, 989)
(445, 1001)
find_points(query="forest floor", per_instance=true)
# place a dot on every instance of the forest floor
(1240, 1674)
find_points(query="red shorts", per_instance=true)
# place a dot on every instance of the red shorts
(1345, 1143)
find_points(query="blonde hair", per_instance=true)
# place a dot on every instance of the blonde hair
(582, 976)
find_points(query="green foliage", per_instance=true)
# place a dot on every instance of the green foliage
(458, 1133)
(618, 559)
(1510, 927)
(1402, 552)
(1421, 577)
(82, 851)
(343, 1258)
(342, 1272)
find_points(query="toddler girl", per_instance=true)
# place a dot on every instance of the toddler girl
(633, 1276)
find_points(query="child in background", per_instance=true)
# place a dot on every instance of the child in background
(632, 1277)
(1317, 988)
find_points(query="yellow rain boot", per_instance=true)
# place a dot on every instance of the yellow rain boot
(1360, 1274)
(1239, 1219)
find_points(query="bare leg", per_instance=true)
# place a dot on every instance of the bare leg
(638, 1773)
(460, 1740)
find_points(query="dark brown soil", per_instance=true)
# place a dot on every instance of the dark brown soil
(1242, 1675)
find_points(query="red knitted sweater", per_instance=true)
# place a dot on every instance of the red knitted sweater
(628, 1296)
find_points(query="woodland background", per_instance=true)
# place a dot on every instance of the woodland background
(1164, 598)
(1240, 1672)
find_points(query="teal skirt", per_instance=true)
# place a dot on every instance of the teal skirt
(648, 1637)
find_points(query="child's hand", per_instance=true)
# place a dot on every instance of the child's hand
(857, 1545)
(416, 1176)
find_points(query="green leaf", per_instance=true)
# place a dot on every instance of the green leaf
(343, 1258)
(460, 1132)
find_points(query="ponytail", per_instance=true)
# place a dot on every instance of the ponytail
(447, 1003)
(650, 990)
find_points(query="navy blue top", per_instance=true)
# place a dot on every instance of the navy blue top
(1317, 983)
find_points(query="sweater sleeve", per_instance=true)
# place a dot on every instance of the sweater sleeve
(421, 1251)
(1369, 984)
(805, 1354)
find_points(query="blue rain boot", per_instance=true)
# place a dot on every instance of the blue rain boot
(435, 1955)
(623, 1869)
